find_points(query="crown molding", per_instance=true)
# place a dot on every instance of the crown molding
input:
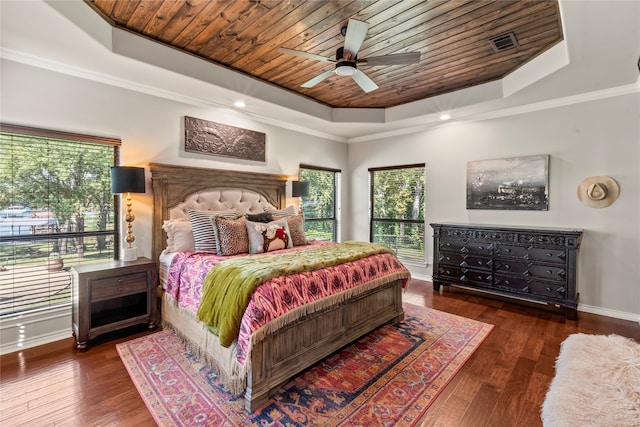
(429, 120)
(433, 119)
(62, 68)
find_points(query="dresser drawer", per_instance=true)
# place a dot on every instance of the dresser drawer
(557, 256)
(529, 269)
(548, 272)
(464, 275)
(508, 251)
(466, 247)
(462, 260)
(115, 286)
(531, 286)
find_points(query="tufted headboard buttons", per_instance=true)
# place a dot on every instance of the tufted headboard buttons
(245, 201)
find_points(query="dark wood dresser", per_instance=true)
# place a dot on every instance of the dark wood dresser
(532, 265)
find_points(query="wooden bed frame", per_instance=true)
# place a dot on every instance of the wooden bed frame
(297, 346)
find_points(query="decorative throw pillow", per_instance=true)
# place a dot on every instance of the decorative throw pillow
(179, 236)
(261, 217)
(296, 228)
(232, 236)
(288, 211)
(267, 237)
(203, 230)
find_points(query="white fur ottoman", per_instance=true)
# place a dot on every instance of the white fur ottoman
(597, 383)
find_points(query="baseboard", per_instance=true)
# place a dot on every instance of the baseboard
(22, 331)
(623, 315)
(609, 313)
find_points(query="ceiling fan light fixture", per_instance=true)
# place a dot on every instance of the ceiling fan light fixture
(346, 68)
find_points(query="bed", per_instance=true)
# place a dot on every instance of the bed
(265, 356)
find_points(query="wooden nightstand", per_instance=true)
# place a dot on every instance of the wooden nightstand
(112, 295)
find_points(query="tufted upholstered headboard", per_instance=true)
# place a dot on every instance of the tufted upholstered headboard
(178, 188)
(221, 199)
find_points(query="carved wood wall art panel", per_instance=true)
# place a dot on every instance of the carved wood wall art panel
(216, 139)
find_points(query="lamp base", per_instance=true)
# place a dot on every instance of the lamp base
(129, 254)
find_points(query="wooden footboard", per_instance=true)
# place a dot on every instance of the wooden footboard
(296, 347)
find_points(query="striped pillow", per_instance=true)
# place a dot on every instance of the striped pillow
(288, 211)
(203, 230)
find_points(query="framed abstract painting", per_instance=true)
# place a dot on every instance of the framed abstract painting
(516, 183)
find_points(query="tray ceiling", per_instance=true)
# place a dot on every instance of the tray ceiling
(452, 36)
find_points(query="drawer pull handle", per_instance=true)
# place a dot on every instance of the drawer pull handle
(507, 266)
(549, 272)
(549, 255)
(120, 289)
(549, 289)
(120, 280)
(507, 282)
(507, 250)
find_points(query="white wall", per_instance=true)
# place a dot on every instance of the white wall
(151, 130)
(592, 138)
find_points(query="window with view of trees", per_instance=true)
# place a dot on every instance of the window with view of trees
(397, 210)
(320, 208)
(56, 210)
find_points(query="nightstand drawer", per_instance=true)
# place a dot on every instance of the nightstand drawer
(117, 286)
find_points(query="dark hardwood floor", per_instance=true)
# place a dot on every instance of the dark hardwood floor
(502, 384)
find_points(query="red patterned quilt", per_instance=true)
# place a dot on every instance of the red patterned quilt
(278, 295)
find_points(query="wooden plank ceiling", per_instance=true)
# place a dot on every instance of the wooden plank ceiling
(453, 37)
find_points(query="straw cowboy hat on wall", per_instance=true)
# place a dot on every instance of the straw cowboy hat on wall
(598, 191)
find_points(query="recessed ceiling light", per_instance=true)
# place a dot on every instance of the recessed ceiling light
(239, 104)
(445, 117)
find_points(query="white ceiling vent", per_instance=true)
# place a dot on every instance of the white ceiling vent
(503, 42)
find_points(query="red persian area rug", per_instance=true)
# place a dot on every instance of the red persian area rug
(389, 377)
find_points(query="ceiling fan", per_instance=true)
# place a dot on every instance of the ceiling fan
(347, 58)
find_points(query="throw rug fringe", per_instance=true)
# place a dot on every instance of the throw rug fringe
(388, 377)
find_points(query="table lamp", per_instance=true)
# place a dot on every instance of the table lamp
(128, 180)
(300, 189)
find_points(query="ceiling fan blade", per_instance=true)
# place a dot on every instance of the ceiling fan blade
(356, 32)
(365, 83)
(395, 59)
(305, 54)
(317, 79)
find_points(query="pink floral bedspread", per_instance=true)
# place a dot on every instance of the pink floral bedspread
(279, 295)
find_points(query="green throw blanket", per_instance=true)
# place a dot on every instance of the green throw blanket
(227, 288)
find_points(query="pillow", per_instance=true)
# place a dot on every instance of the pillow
(179, 236)
(267, 237)
(288, 211)
(296, 228)
(231, 236)
(203, 229)
(261, 217)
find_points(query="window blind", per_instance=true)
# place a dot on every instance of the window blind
(397, 210)
(321, 206)
(56, 211)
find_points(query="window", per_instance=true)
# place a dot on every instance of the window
(56, 211)
(320, 208)
(397, 210)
